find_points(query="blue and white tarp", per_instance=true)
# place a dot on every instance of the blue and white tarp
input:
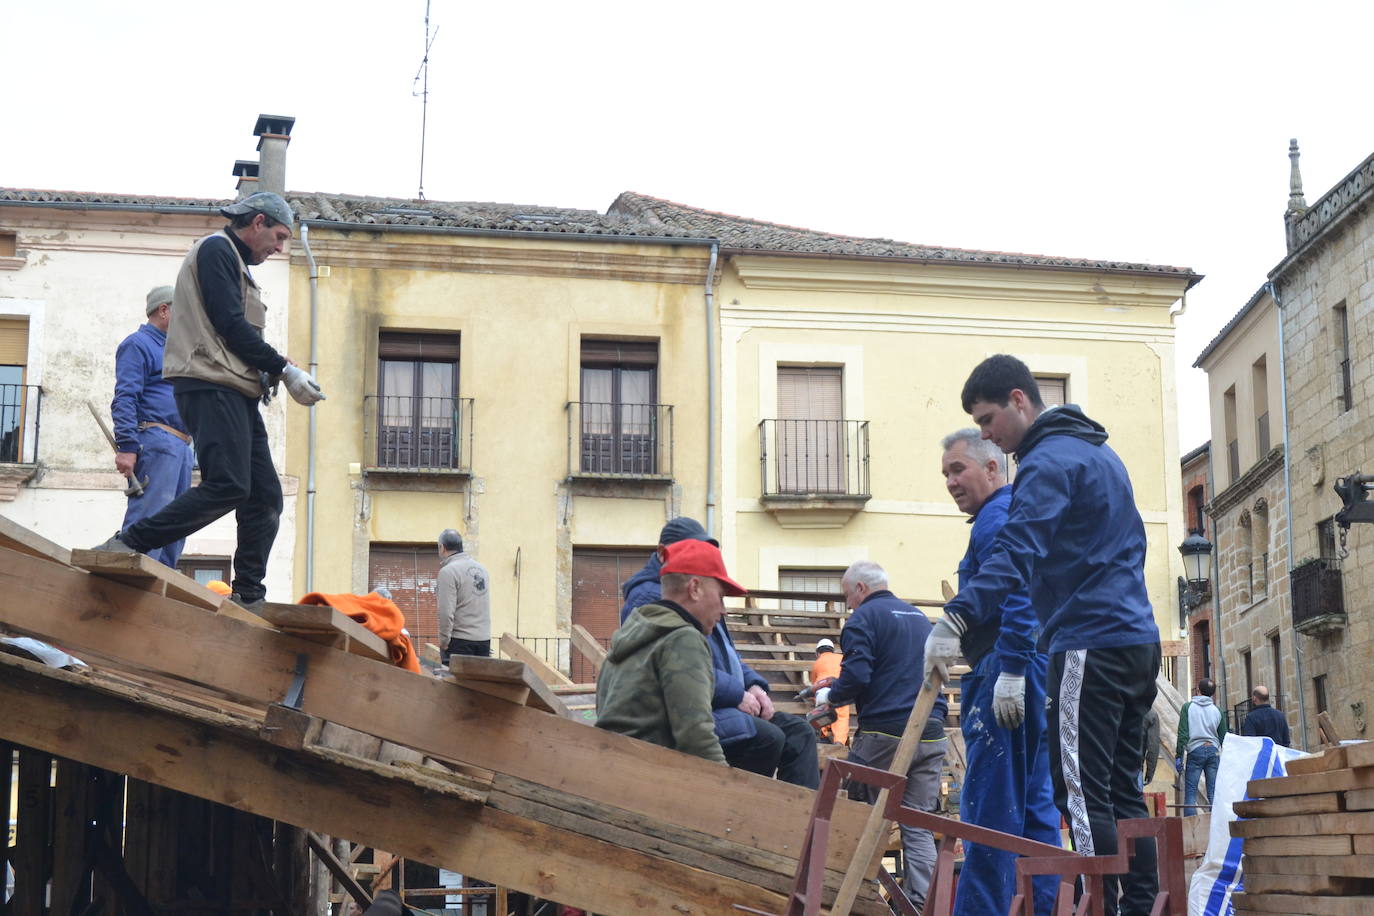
(1219, 875)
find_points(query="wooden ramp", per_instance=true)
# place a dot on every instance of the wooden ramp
(440, 770)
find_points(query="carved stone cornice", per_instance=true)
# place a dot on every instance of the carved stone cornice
(12, 477)
(1250, 481)
(1346, 199)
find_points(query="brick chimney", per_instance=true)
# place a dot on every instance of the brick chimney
(246, 171)
(273, 133)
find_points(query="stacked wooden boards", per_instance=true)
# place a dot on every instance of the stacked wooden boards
(1308, 837)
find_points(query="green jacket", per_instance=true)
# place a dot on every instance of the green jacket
(657, 681)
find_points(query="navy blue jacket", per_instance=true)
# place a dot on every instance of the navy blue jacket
(1074, 535)
(884, 646)
(1013, 631)
(733, 675)
(141, 394)
(1267, 722)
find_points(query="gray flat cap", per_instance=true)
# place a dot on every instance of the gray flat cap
(264, 202)
(158, 295)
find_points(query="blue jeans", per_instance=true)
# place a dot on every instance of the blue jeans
(166, 461)
(1201, 760)
(1007, 788)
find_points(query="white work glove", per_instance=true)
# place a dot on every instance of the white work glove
(942, 647)
(822, 696)
(301, 386)
(1009, 700)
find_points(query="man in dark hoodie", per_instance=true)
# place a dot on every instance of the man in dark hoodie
(754, 736)
(1074, 537)
(656, 682)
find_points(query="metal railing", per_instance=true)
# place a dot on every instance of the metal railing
(1262, 433)
(620, 440)
(814, 457)
(1347, 392)
(417, 433)
(1317, 594)
(20, 407)
(1242, 709)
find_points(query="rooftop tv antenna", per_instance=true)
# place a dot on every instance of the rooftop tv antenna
(422, 77)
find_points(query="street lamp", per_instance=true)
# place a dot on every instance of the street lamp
(1197, 565)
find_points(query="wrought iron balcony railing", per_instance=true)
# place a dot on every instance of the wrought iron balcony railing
(620, 440)
(417, 433)
(20, 409)
(823, 458)
(1318, 596)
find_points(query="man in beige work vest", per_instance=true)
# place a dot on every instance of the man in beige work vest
(463, 593)
(220, 367)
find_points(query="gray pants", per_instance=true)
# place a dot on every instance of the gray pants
(875, 749)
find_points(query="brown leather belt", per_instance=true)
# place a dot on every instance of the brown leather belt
(171, 429)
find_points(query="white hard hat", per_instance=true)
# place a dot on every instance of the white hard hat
(824, 644)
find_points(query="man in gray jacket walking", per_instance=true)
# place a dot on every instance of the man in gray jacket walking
(463, 594)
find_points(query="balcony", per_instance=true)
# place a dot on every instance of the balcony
(615, 441)
(417, 435)
(1318, 597)
(814, 473)
(20, 409)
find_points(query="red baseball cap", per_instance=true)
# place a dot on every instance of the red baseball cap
(698, 558)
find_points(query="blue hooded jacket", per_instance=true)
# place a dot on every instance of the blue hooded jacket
(1074, 535)
(884, 642)
(141, 395)
(733, 676)
(1012, 633)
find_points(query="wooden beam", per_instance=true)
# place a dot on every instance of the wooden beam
(583, 641)
(336, 868)
(327, 625)
(73, 609)
(471, 670)
(142, 571)
(217, 757)
(16, 537)
(515, 649)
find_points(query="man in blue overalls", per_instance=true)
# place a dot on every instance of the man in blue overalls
(1007, 786)
(150, 438)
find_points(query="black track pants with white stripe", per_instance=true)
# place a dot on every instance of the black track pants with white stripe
(1097, 700)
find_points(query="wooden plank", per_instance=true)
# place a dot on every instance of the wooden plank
(216, 757)
(796, 630)
(421, 712)
(1306, 766)
(1352, 866)
(1358, 755)
(1299, 846)
(71, 811)
(1327, 728)
(1329, 885)
(1325, 803)
(478, 672)
(7, 759)
(336, 868)
(1305, 825)
(1362, 845)
(1359, 800)
(583, 641)
(16, 537)
(1312, 784)
(1309, 905)
(33, 807)
(317, 619)
(516, 650)
(142, 571)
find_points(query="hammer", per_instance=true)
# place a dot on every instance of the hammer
(135, 485)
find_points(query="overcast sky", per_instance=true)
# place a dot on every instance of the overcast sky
(1150, 132)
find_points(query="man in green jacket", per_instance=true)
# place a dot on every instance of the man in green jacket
(657, 680)
(1201, 731)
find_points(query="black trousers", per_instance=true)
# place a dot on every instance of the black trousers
(236, 475)
(1096, 717)
(478, 647)
(785, 744)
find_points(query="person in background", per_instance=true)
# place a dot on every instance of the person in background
(1201, 731)
(827, 665)
(1264, 721)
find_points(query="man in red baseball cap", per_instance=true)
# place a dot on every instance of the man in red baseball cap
(657, 681)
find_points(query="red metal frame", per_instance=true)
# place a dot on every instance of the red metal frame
(1035, 858)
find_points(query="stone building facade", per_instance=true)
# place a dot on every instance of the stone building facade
(1253, 634)
(1325, 292)
(1197, 621)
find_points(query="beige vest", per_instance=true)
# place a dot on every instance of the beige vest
(194, 349)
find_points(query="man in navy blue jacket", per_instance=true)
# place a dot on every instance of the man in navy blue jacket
(1074, 536)
(881, 675)
(1007, 782)
(150, 437)
(753, 735)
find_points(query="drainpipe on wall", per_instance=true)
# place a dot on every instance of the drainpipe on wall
(1288, 509)
(711, 383)
(310, 446)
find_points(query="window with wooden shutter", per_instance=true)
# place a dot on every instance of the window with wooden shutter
(419, 423)
(596, 600)
(810, 436)
(1054, 390)
(15, 396)
(619, 407)
(823, 581)
(409, 572)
